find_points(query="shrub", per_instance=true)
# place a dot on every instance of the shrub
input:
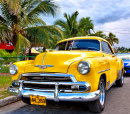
(8, 56)
(4, 69)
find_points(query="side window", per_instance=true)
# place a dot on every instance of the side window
(106, 47)
(61, 46)
(69, 45)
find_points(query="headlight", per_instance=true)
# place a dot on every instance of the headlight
(83, 67)
(13, 69)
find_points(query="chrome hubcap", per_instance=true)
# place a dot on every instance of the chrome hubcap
(102, 90)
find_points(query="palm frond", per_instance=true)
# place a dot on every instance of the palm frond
(41, 33)
(5, 11)
(3, 27)
(44, 7)
(29, 5)
(74, 15)
(2, 20)
(61, 23)
(38, 34)
(36, 22)
(22, 42)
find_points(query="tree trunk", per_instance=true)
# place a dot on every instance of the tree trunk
(14, 40)
(30, 54)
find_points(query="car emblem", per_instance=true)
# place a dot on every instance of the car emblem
(43, 66)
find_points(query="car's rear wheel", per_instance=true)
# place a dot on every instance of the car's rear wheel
(99, 105)
(26, 100)
(120, 82)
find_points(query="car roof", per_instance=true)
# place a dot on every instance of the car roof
(84, 37)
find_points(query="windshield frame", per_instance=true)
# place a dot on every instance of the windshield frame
(78, 49)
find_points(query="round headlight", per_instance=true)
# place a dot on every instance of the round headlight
(83, 67)
(13, 69)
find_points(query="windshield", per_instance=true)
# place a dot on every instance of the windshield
(83, 44)
(123, 56)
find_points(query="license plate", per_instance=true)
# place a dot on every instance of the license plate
(38, 100)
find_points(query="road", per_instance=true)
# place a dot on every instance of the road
(117, 102)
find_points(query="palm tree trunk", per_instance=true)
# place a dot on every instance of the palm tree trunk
(89, 31)
(30, 54)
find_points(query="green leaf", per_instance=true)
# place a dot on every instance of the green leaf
(22, 42)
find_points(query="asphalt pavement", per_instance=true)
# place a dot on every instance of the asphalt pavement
(117, 102)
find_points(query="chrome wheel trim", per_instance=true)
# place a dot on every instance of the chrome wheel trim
(102, 96)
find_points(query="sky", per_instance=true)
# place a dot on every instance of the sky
(107, 15)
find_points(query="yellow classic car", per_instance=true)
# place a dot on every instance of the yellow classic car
(79, 69)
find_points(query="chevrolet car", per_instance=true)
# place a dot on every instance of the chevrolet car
(79, 69)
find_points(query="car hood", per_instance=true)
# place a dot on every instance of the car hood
(61, 60)
(126, 63)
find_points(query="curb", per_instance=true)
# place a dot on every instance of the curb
(8, 100)
(5, 74)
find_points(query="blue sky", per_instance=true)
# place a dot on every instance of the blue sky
(107, 15)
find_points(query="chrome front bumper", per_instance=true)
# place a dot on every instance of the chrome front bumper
(56, 94)
(81, 97)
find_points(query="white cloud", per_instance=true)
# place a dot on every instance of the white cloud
(107, 15)
(121, 28)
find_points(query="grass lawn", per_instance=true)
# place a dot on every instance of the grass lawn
(5, 82)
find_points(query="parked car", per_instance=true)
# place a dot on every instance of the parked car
(126, 60)
(6, 46)
(78, 69)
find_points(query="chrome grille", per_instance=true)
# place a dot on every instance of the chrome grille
(47, 82)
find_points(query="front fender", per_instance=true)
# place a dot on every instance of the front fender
(120, 64)
(21, 68)
(97, 64)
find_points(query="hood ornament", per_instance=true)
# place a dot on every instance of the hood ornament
(43, 66)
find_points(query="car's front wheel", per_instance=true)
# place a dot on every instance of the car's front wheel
(99, 105)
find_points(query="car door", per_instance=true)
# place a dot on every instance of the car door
(107, 51)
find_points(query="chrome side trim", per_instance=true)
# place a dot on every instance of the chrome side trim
(103, 70)
(111, 84)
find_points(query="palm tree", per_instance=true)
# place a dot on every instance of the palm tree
(99, 34)
(112, 39)
(20, 21)
(70, 26)
(85, 24)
